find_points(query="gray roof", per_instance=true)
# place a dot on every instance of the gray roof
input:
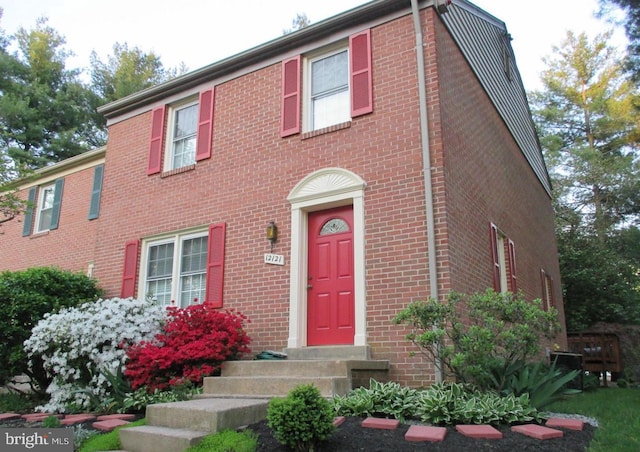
(486, 44)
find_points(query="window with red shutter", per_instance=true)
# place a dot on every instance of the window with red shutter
(130, 269)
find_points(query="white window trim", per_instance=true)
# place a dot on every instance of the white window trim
(308, 60)
(177, 239)
(168, 150)
(501, 242)
(324, 189)
(41, 192)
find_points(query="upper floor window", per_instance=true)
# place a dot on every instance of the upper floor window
(182, 136)
(337, 86)
(327, 99)
(43, 208)
(186, 138)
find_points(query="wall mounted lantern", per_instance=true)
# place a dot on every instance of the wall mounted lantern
(272, 233)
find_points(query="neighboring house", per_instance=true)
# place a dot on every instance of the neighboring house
(391, 175)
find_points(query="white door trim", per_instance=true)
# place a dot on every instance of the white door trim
(320, 190)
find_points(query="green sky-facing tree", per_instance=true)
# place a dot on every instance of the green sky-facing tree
(588, 122)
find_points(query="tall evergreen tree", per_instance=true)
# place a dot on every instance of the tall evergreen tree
(45, 110)
(589, 129)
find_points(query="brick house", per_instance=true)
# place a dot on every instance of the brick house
(391, 176)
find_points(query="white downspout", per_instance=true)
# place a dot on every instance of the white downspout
(426, 163)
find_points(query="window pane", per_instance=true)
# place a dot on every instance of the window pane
(160, 261)
(331, 110)
(184, 136)
(334, 226)
(193, 270)
(330, 74)
(46, 208)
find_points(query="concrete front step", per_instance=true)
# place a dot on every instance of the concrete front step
(152, 438)
(173, 427)
(207, 414)
(268, 387)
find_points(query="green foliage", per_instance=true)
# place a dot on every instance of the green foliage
(126, 72)
(587, 120)
(454, 403)
(499, 330)
(380, 400)
(544, 383)
(108, 441)
(46, 113)
(51, 422)
(26, 297)
(227, 441)
(137, 401)
(12, 402)
(441, 403)
(302, 419)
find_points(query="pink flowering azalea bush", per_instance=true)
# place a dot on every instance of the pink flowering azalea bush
(194, 342)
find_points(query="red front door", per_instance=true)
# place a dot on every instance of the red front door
(330, 299)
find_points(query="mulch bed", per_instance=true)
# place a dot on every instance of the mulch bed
(351, 437)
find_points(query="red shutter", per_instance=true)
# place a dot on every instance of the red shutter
(215, 264)
(154, 161)
(361, 74)
(512, 267)
(495, 258)
(130, 267)
(205, 125)
(290, 109)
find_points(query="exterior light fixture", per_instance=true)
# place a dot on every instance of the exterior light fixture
(272, 233)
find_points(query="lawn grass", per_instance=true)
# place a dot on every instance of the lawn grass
(617, 411)
(107, 441)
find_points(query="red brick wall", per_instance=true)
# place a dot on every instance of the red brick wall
(246, 182)
(488, 180)
(69, 247)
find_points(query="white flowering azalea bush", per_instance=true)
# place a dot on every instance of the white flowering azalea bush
(83, 346)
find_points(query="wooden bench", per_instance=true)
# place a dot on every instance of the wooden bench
(600, 352)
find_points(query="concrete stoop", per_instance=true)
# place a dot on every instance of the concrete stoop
(241, 394)
(173, 427)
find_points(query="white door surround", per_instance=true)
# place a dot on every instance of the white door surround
(324, 189)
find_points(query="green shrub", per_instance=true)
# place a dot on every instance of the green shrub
(479, 338)
(137, 401)
(26, 297)
(51, 422)
(441, 403)
(12, 402)
(302, 419)
(380, 400)
(227, 441)
(455, 403)
(545, 383)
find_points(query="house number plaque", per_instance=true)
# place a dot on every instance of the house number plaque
(274, 259)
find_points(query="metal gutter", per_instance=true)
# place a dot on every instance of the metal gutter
(263, 52)
(426, 163)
